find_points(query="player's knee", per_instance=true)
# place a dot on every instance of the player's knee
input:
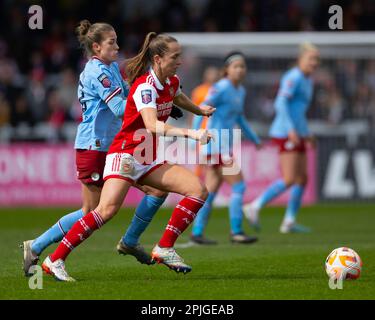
(203, 193)
(107, 211)
(198, 190)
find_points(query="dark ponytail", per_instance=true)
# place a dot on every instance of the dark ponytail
(137, 65)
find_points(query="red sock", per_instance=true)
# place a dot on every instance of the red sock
(182, 216)
(79, 232)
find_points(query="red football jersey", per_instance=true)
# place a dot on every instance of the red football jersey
(146, 92)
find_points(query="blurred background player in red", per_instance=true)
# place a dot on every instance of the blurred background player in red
(132, 156)
(290, 132)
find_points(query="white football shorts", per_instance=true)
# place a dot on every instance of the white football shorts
(124, 166)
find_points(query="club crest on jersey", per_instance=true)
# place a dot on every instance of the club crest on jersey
(171, 91)
(104, 80)
(146, 96)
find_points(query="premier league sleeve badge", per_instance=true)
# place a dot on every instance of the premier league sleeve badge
(146, 96)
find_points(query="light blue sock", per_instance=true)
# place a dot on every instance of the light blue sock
(294, 203)
(56, 232)
(142, 218)
(274, 190)
(235, 207)
(201, 219)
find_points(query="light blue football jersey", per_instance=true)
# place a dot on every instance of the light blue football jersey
(229, 103)
(102, 94)
(291, 104)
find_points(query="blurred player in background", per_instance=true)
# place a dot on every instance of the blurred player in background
(228, 97)
(211, 74)
(132, 155)
(289, 131)
(102, 94)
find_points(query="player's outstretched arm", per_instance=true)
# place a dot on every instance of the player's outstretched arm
(155, 126)
(184, 102)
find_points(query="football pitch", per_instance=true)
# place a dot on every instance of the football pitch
(276, 267)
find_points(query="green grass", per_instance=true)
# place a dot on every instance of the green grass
(277, 267)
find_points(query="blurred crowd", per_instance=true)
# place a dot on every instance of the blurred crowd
(39, 68)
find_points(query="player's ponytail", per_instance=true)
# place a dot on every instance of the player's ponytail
(154, 44)
(137, 65)
(88, 33)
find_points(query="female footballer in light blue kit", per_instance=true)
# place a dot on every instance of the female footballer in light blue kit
(228, 97)
(289, 130)
(102, 93)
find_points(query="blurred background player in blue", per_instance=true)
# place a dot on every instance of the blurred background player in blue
(102, 93)
(228, 97)
(289, 130)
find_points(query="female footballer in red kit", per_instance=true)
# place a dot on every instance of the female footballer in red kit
(132, 156)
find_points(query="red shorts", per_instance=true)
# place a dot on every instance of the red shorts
(287, 146)
(90, 166)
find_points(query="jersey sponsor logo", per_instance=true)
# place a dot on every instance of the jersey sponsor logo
(106, 83)
(164, 109)
(146, 96)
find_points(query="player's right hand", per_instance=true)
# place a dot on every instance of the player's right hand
(207, 110)
(203, 136)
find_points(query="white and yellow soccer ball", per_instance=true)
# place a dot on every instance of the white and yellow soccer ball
(343, 263)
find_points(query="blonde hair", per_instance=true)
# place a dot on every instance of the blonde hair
(305, 47)
(154, 44)
(88, 33)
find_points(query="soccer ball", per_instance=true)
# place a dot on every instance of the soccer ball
(343, 263)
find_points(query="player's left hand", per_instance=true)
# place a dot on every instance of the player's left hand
(207, 110)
